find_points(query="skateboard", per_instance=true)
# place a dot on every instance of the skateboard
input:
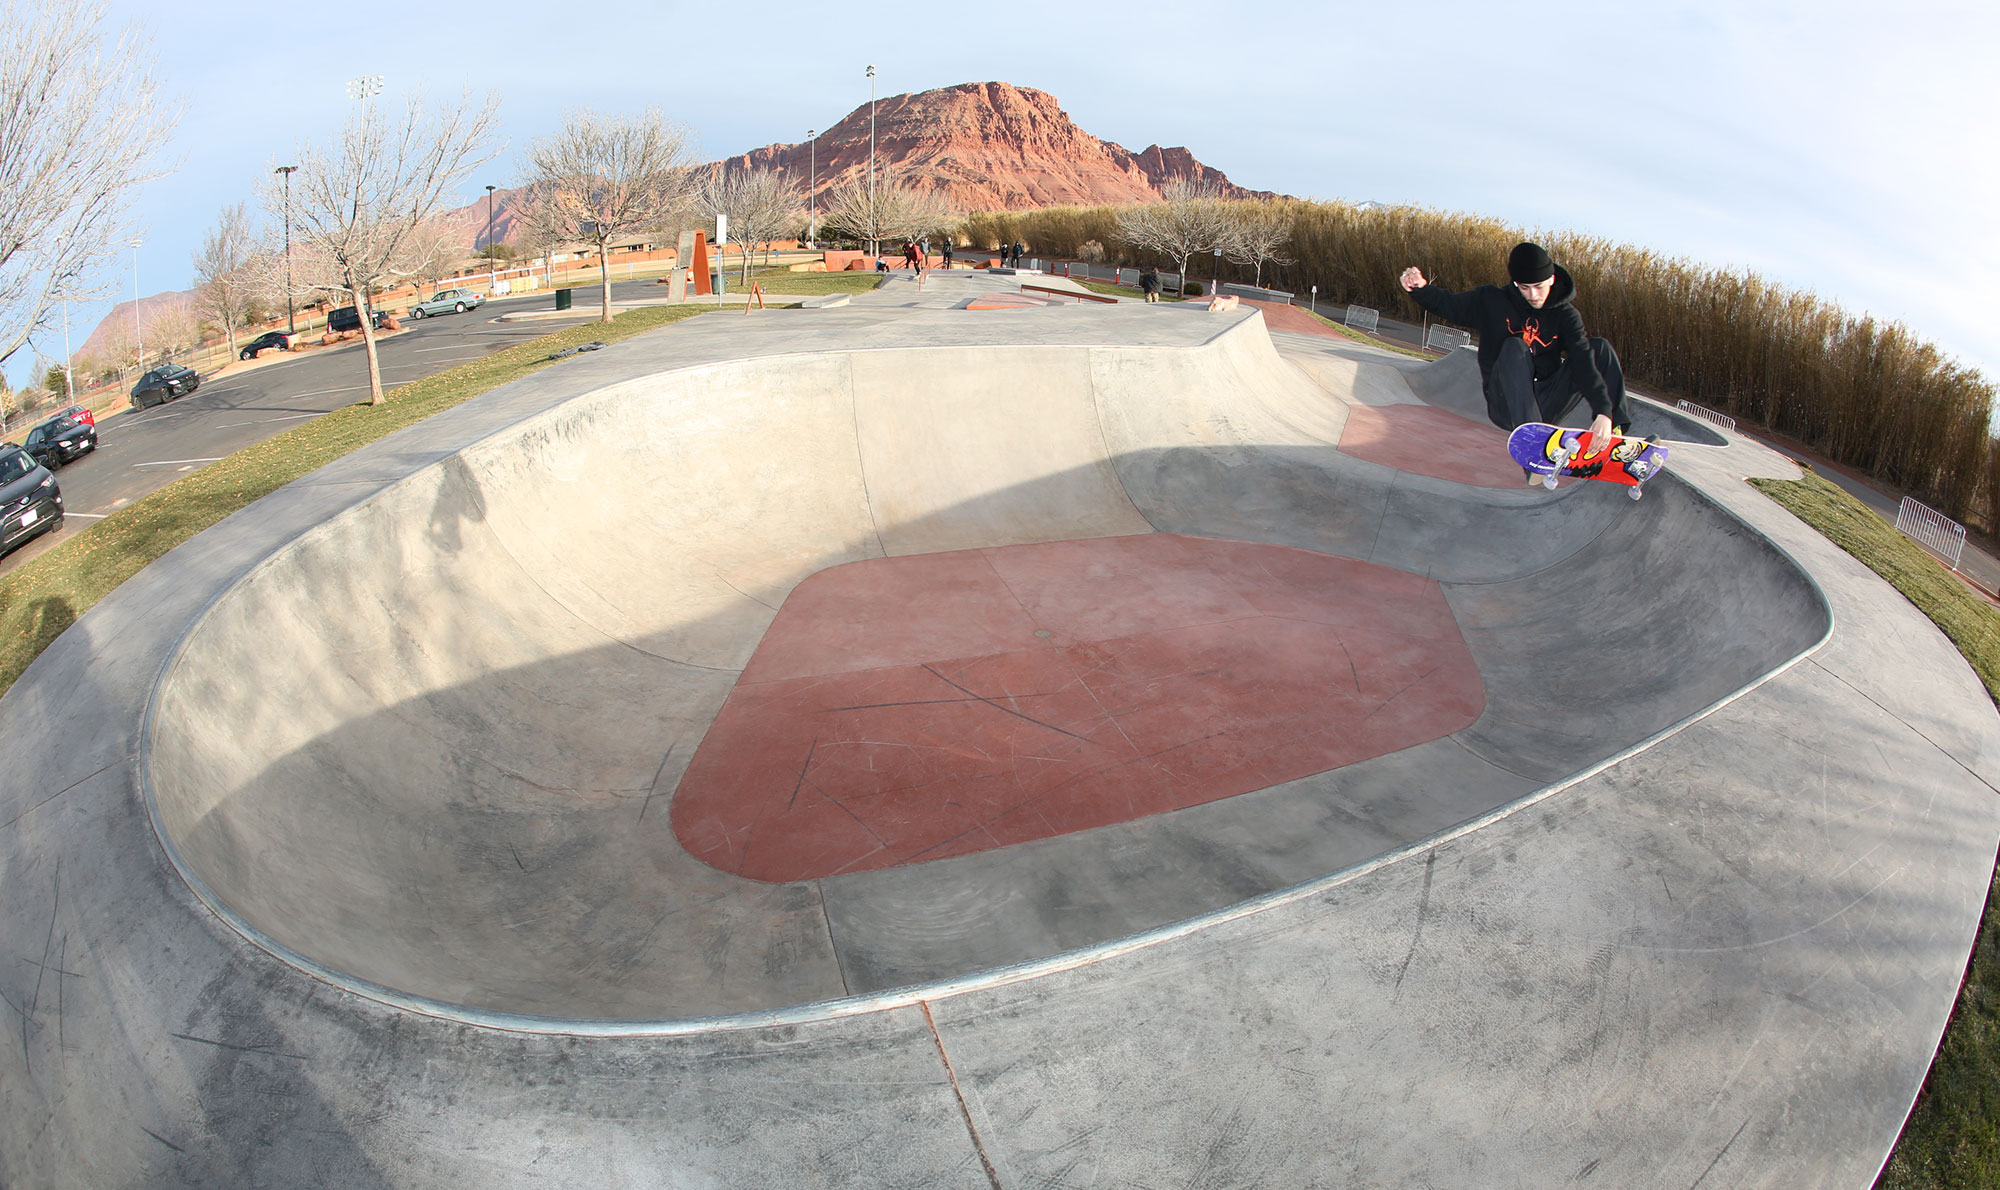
(1550, 451)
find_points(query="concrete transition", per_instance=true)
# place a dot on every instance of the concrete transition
(912, 744)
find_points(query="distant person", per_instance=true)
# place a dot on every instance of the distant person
(1535, 362)
(910, 254)
(1019, 252)
(881, 264)
(948, 251)
(1149, 284)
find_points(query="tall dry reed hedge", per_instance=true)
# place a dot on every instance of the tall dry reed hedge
(1865, 393)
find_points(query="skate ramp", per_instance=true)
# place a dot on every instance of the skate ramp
(430, 748)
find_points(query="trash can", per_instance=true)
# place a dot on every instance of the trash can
(563, 298)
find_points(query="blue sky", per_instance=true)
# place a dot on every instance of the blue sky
(1829, 147)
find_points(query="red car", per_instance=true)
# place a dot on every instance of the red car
(79, 412)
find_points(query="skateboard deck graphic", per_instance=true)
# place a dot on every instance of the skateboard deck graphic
(1550, 451)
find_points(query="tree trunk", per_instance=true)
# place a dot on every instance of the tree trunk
(604, 278)
(367, 314)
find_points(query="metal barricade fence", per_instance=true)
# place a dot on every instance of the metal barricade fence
(1361, 318)
(1446, 338)
(1932, 530)
(1708, 415)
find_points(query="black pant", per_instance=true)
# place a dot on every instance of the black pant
(1515, 398)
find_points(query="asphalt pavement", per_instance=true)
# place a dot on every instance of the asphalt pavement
(140, 451)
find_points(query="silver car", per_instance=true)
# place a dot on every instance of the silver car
(448, 301)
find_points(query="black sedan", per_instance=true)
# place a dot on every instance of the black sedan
(163, 384)
(277, 339)
(30, 501)
(60, 439)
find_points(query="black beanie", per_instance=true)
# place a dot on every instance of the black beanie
(1529, 264)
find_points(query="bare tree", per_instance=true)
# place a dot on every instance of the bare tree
(434, 250)
(1256, 236)
(599, 178)
(224, 278)
(894, 211)
(79, 123)
(1190, 221)
(759, 202)
(359, 204)
(173, 325)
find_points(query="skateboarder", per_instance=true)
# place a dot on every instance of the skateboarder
(1535, 362)
(1149, 284)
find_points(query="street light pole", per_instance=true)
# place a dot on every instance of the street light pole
(873, 247)
(138, 336)
(291, 316)
(492, 261)
(812, 186)
(69, 377)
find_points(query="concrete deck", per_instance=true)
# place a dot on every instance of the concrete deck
(340, 845)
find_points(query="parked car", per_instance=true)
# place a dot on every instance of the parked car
(165, 383)
(277, 339)
(448, 301)
(347, 318)
(60, 439)
(30, 502)
(81, 413)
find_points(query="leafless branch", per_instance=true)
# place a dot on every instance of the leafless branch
(358, 205)
(1190, 221)
(80, 122)
(599, 178)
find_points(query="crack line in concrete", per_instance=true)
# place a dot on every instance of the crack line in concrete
(964, 1108)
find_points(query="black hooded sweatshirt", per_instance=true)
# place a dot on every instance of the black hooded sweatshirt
(1498, 313)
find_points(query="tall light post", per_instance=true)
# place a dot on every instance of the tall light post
(812, 186)
(291, 315)
(138, 337)
(69, 377)
(873, 247)
(492, 261)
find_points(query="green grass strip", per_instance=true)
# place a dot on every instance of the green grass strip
(40, 599)
(783, 280)
(1969, 619)
(1952, 1139)
(1124, 291)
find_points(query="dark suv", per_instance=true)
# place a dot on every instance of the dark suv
(347, 318)
(60, 439)
(163, 384)
(30, 501)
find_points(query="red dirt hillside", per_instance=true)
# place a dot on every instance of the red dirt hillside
(989, 146)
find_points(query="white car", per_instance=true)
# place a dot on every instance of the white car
(448, 301)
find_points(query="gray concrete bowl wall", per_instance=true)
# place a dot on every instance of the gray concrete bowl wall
(431, 743)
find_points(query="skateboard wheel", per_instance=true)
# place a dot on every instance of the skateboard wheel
(1637, 491)
(1549, 481)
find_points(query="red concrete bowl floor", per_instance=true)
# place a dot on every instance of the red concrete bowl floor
(1430, 441)
(908, 709)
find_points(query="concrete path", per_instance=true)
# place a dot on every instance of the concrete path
(347, 843)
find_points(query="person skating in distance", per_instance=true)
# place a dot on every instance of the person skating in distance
(1535, 362)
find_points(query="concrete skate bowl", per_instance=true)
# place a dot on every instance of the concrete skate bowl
(435, 748)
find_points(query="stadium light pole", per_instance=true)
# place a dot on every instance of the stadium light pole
(138, 336)
(812, 186)
(291, 315)
(69, 377)
(873, 247)
(492, 261)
